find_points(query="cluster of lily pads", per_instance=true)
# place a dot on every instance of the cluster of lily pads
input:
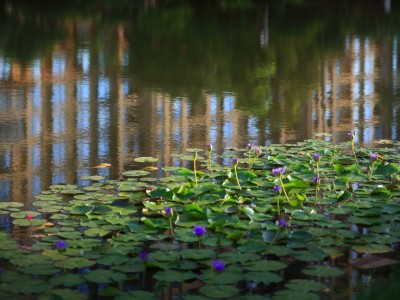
(269, 225)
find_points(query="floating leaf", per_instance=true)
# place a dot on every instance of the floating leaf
(174, 276)
(322, 271)
(144, 159)
(219, 291)
(104, 276)
(135, 173)
(372, 248)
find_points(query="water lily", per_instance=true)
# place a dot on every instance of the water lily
(143, 255)
(29, 217)
(277, 189)
(316, 156)
(352, 135)
(209, 147)
(199, 230)
(278, 171)
(374, 156)
(235, 161)
(282, 223)
(61, 246)
(169, 212)
(218, 266)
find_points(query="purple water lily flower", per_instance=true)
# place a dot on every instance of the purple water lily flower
(374, 156)
(143, 255)
(278, 171)
(209, 147)
(169, 211)
(218, 266)
(235, 161)
(282, 223)
(316, 179)
(350, 134)
(258, 151)
(61, 246)
(199, 230)
(317, 156)
(277, 189)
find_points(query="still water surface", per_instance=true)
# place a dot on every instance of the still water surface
(87, 83)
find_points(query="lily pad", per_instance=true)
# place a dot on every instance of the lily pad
(322, 271)
(104, 276)
(219, 291)
(144, 159)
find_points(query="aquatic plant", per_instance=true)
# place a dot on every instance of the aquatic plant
(254, 152)
(229, 230)
(374, 157)
(218, 266)
(235, 161)
(277, 190)
(209, 150)
(169, 213)
(353, 149)
(279, 173)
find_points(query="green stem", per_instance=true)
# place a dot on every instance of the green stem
(316, 193)
(354, 151)
(144, 275)
(279, 211)
(194, 168)
(171, 228)
(237, 179)
(371, 171)
(209, 162)
(283, 188)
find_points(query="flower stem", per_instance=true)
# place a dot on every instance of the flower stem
(194, 168)
(371, 171)
(283, 188)
(237, 178)
(354, 150)
(171, 228)
(277, 203)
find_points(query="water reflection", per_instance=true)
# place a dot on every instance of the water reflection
(91, 92)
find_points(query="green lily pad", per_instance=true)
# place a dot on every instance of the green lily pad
(174, 276)
(294, 294)
(264, 265)
(136, 295)
(197, 254)
(144, 159)
(66, 294)
(104, 276)
(305, 285)
(372, 248)
(322, 271)
(263, 277)
(94, 177)
(219, 291)
(135, 173)
(74, 263)
(68, 280)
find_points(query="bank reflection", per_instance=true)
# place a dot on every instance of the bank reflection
(78, 106)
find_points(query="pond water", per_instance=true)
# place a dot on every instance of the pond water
(85, 83)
